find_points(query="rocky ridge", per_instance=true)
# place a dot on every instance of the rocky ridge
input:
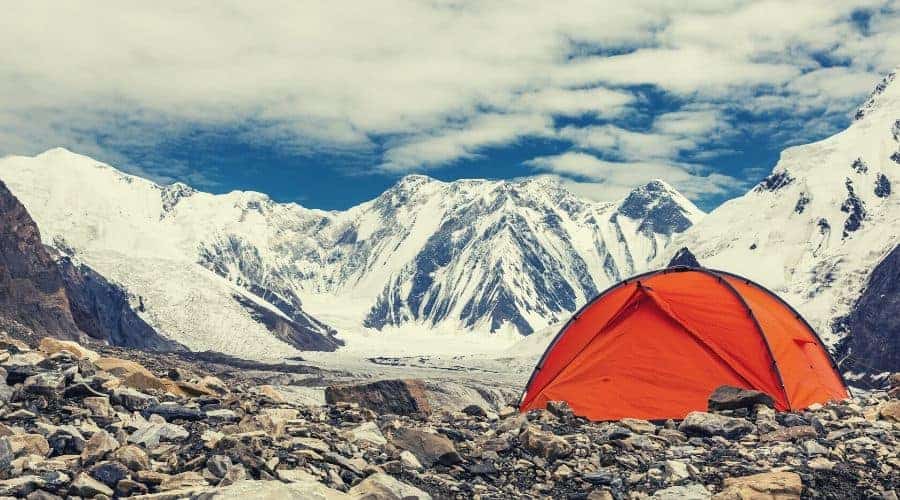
(814, 230)
(45, 293)
(79, 422)
(32, 291)
(872, 344)
(480, 255)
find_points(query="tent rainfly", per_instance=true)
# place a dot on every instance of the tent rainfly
(656, 345)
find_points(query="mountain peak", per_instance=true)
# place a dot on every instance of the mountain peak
(886, 87)
(58, 151)
(655, 190)
(660, 207)
(414, 180)
(542, 180)
(658, 186)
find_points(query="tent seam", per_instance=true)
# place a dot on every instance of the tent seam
(799, 316)
(578, 314)
(628, 302)
(660, 302)
(759, 330)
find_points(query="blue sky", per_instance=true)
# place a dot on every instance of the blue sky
(326, 105)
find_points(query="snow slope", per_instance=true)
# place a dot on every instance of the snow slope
(815, 228)
(130, 229)
(522, 255)
(465, 255)
(470, 255)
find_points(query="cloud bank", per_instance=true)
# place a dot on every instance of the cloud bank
(419, 85)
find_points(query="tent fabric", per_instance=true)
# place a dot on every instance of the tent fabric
(655, 347)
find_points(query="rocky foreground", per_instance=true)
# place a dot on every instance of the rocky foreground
(78, 423)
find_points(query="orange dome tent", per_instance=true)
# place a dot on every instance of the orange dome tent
(656, 345)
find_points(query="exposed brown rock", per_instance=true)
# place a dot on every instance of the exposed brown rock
(401, 397)
(727, 397)
(766, 486)
(50, 345)
(891, 411)
(32, 292)
(544, 444)
(429, 448)
(790, 433)
(29, 444)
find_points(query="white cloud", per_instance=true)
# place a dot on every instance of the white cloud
(684, 70)
(604, 180)
(698, 123)
(568, 102)
(440, 80)
(670, 135)
(627, 144)
(423, 151)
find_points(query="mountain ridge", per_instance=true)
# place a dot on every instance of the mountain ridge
(816, 227)
(378, 263)
(44, 293)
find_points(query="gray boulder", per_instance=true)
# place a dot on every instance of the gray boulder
(704, 424)
(429, 448)
(726, 397)
(401, 397)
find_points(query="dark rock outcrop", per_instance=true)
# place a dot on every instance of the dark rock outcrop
(882, 186)
(32, 291)
(657, 210)
(802, 201)
(774, 182)
(305, 336)
(45, 295)
(102, 310)
(872, 344)
(401, 397)
(685, 258)
(855, 208)
(731, 398)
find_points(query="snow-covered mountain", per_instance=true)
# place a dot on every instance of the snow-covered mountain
(226, 272)
(512, 254)
(465, 255)
(815, 228)
(43, 294)
(133, 231)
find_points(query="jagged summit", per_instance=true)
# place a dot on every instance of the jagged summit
(660, 207)
(658, 185)
(417, 181)
(483, 255)
(683, 258)
(658, 189)
(173, 193)
(412, 181)
(886, 89)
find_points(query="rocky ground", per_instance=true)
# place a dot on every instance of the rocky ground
(101, 423)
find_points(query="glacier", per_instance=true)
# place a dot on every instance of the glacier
(243, 274)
